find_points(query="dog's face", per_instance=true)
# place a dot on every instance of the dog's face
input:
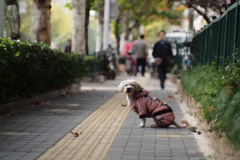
(129, 87)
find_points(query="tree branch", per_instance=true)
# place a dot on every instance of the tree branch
(204, 15)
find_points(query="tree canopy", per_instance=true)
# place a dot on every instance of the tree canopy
(135, 13)
(206, 7)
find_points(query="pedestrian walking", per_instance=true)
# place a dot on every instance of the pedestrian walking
(162, 52)
(68, 47)
(140, 49)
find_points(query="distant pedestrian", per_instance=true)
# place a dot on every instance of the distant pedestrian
(162, 51)
(140, 49)
(68, 47)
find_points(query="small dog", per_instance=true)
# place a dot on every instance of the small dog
(146, 106)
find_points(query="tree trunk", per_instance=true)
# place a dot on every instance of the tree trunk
(127, 34)
(88, 8)
(202, 13)
(127, 30)
(41, 27)
(190, 19)
(136, 30)
(12, 20)
(78, 35)
(99, 38)
(117, 34)
(129, 26)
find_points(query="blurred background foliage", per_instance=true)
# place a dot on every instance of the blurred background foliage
(61, 24)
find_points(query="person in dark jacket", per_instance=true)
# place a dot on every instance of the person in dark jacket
(162, 50)
(68, 47)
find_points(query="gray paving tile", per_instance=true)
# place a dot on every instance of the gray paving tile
(44, 127)
(114, 157)
(150, 142)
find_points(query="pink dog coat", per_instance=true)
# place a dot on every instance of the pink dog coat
(146, 106)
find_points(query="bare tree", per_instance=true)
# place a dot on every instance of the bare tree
(41, 27)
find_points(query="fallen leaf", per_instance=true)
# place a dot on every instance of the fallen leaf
(169, 98)
(210, 108)
(195, 152)
(63, 94)
(67, 93)
(81, 91)
(75, 134)
(44, 103)
(8, 115)
(124, 105)
(38, 103)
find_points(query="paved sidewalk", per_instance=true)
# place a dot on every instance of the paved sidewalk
(27, 134)
(134, 143)
(42, 131)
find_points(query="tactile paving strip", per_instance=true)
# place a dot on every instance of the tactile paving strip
(96, 134)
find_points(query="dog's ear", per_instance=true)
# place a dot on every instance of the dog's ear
(137, 87)
(121, 86)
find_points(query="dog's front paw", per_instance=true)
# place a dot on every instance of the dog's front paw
(141, 125)
(154, 126)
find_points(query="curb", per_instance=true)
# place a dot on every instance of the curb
(16, 106)
(218, 146)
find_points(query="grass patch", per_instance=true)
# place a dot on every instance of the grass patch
(218, 92)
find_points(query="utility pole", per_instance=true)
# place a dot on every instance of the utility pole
(1, 18)
(106, 29)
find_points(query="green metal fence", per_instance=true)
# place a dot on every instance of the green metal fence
(218, 41)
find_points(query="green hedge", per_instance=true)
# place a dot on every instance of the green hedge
(28, 69)
(99, 62)
(218, 91)
(122, 60)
